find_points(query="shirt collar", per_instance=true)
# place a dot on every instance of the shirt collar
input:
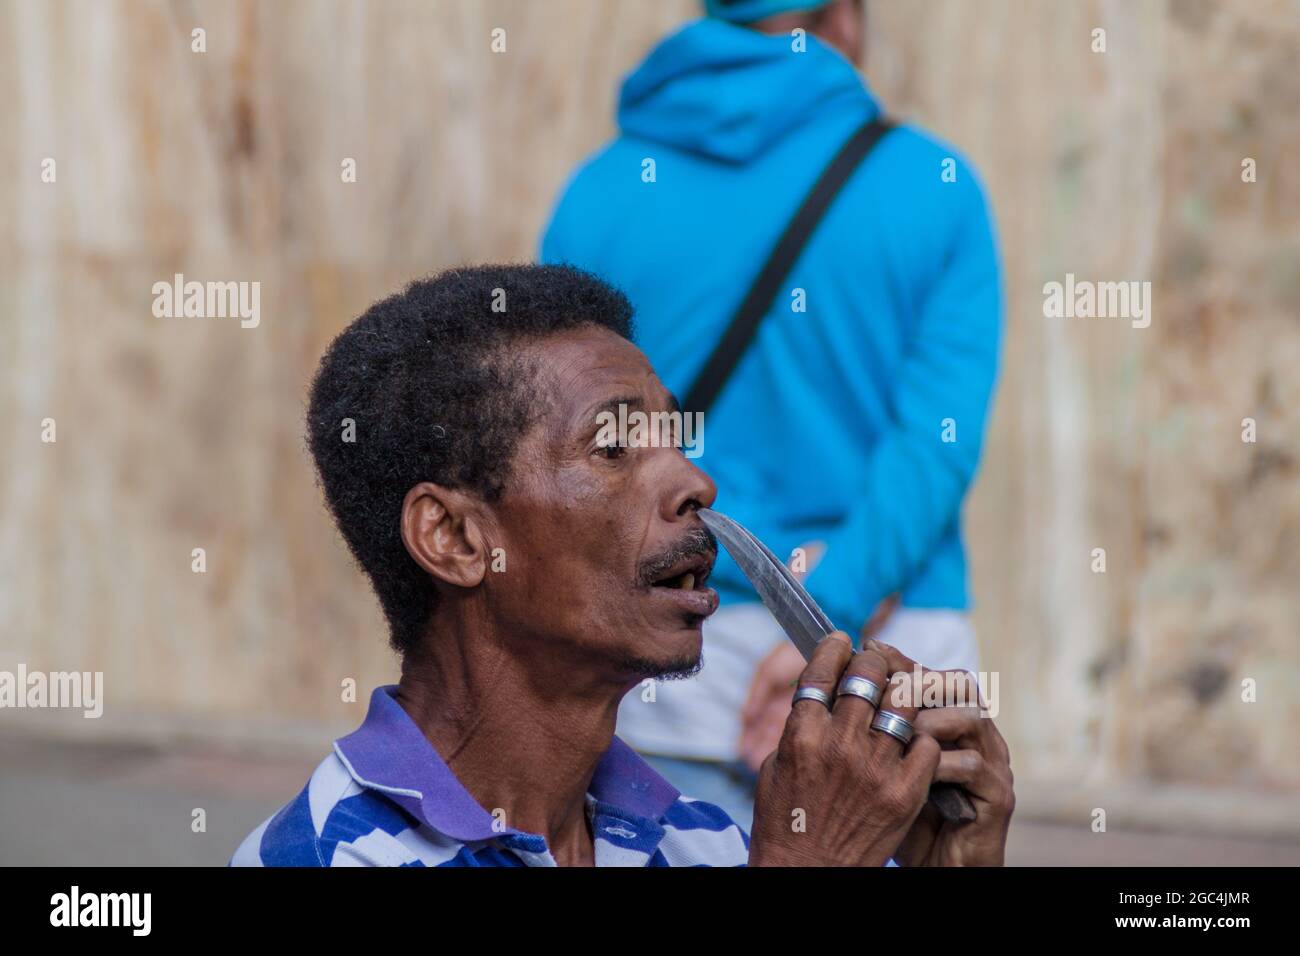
(388, 753)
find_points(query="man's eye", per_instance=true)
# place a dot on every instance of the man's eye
(611, 452)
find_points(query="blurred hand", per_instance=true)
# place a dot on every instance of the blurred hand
(768, 705)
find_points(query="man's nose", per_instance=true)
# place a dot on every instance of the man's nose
(691, 489)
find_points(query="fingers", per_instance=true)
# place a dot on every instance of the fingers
(773, 679)
(876, 623)
(986, 778)
(760, 690)
(852, 713)
(918, 766)
(902, 696)
(961, 766)
(931, 688)
(763, 733)
(822, 673)
(898, 661)
(922, 758)
(964, 727)
(951, 688)
(952, 725)
(893, 673)
(977, 757)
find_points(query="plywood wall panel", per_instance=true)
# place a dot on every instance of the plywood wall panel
(176, 434)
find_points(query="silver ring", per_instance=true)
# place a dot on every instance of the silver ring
(812, 693)
(868, 690)
(898, 727)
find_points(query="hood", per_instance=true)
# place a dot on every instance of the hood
(728, 92)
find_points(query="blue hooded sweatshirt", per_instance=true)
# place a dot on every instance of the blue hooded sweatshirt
(856, 416)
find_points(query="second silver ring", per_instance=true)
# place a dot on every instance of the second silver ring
(868, 690)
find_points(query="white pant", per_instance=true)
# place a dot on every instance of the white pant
(700, 718)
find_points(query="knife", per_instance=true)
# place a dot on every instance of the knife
(803, 621)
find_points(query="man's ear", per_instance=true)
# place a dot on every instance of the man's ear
(443, 532)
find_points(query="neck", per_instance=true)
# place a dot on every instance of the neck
(522, 734)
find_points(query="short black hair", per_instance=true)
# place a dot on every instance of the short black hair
(432, 381)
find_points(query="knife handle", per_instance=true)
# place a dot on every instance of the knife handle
(952, 803)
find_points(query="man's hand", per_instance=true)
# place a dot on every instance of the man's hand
(975, 756)
(836, 792)
(768, 705)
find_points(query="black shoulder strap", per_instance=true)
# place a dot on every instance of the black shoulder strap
(740, 332)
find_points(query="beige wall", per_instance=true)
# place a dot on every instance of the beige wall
(1119, 690)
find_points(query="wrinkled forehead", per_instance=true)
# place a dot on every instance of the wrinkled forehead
(586, 370)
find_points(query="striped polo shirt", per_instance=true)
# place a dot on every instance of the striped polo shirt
(385, 798)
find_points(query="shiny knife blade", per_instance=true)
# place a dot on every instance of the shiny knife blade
(803, 621)
(794, 609)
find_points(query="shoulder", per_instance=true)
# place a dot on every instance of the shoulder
(605, 165)
(701, 834)
(917, 147)
(333, 821)
(584, 200)
(917, 205)
(929, 174)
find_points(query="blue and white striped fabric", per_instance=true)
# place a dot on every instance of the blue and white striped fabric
(385, 798)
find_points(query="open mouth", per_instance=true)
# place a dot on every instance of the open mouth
(688, 574)
(676, 581)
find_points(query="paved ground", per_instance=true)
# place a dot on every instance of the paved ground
(64, 804)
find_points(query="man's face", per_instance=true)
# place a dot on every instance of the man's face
(601, 542)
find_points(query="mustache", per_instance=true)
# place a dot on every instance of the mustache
(696, 541)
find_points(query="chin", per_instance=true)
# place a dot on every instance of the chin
(677, 658)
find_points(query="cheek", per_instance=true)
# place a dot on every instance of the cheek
(596, 520)
(566, 559)
(578, 530)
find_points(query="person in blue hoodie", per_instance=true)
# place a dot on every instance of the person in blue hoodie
(849, 433)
